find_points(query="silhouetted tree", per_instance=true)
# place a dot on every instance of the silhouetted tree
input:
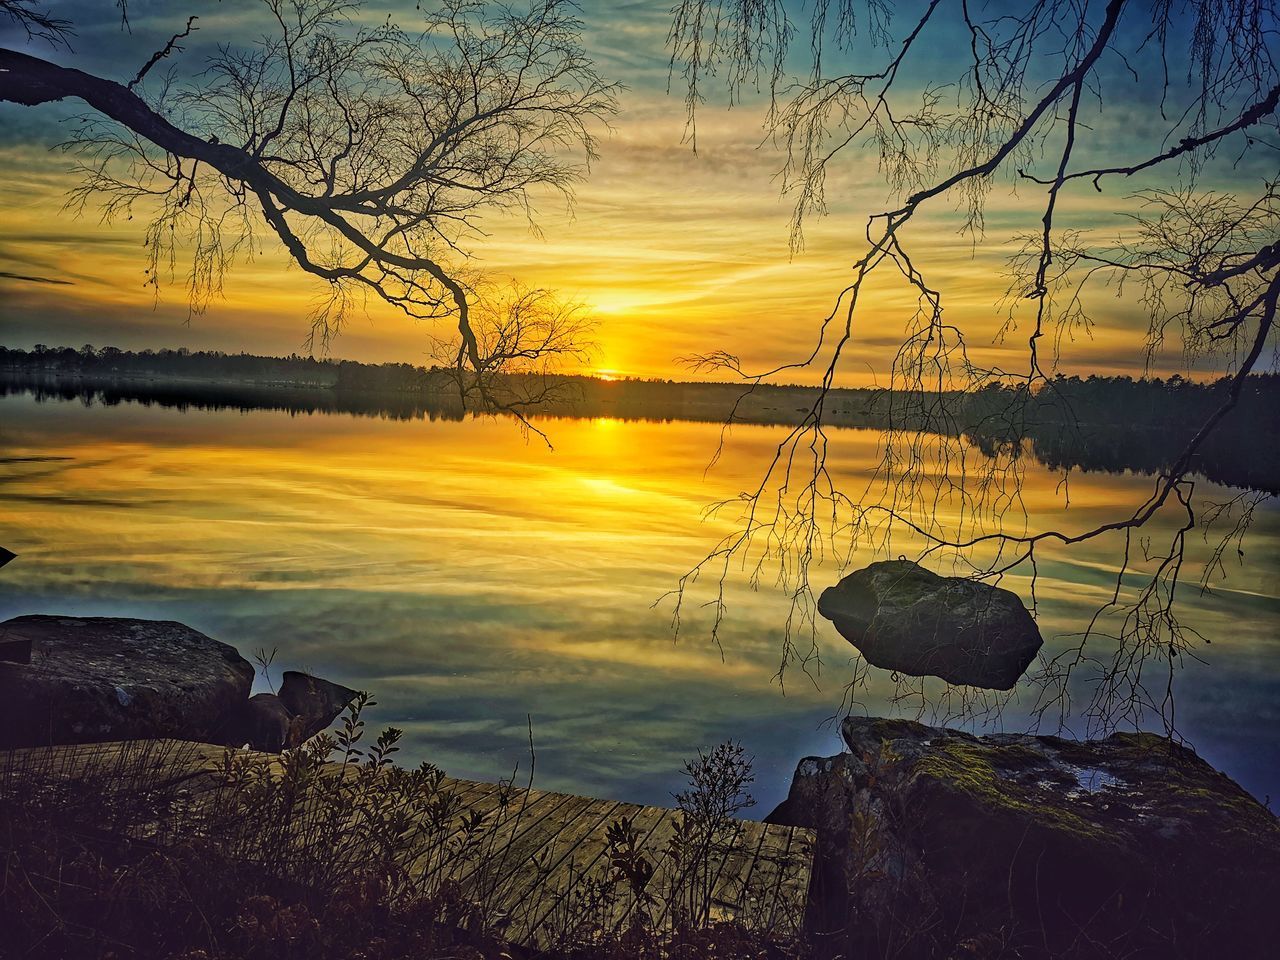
(367, 151)
(1041, 98)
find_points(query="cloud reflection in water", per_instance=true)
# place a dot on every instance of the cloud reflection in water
(471, 579)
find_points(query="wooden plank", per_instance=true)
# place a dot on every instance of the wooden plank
(468, 796)
(780, 869)
(736, 870)
(508, 820)
(654, 846)
(483, 797)
(666, 867)
(520, 841)
(793, 893)
(165, 762)
(546, 859)
(564, 886)
(759, 895)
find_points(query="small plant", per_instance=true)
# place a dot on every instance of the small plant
(717, 793)
(264, 658)
(631, 868)
(328, 850)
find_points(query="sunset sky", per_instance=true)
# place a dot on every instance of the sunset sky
(673, 252)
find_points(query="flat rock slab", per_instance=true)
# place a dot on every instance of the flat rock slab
(903, 617)
(104, 678)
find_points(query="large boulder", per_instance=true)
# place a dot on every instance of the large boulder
(903, 617)
(316, 703)
(936, 843)
(103, 678)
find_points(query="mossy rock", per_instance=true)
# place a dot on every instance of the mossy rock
(1126, 846)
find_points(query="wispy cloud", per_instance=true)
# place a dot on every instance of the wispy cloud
(5, 275)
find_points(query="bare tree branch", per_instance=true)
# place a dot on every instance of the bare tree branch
(164, 51)
(369, 153)
(1204, 267)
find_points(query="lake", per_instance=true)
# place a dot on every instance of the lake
(480, 584)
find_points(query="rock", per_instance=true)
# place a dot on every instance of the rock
(902, 617)
(945, 844)
(263, 722)
(101, 678)
(15, 649)
(270, 722)
(315, 701)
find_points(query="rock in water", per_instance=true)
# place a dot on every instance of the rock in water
(1026, 846)
(902, 617)
(314, 701)
(103, 678)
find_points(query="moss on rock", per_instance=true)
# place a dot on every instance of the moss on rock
(1045, 845)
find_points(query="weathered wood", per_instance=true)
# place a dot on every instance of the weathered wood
(737, 865)
(550, 871)
(654, 845)
(518, 836)
(792, 897)
(582, 860)
(543, 858)
(759, 897)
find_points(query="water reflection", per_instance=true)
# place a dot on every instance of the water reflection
(472, 579)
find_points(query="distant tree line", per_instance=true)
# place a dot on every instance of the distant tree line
(1091, 423)
(112, 363)
(108, 363)
(1096, 423)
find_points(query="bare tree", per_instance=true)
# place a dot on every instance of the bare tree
(1034, 104)
(525, 336)
(368, 152)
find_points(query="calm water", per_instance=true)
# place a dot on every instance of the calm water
(472, 580)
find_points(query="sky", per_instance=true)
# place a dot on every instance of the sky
(673, 253)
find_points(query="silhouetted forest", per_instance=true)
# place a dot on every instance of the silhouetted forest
(1096, 423)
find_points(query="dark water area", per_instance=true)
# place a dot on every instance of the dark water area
(478, 583)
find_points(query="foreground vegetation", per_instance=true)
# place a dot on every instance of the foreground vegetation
(331, 851)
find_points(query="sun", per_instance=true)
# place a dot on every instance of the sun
(608, 375)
